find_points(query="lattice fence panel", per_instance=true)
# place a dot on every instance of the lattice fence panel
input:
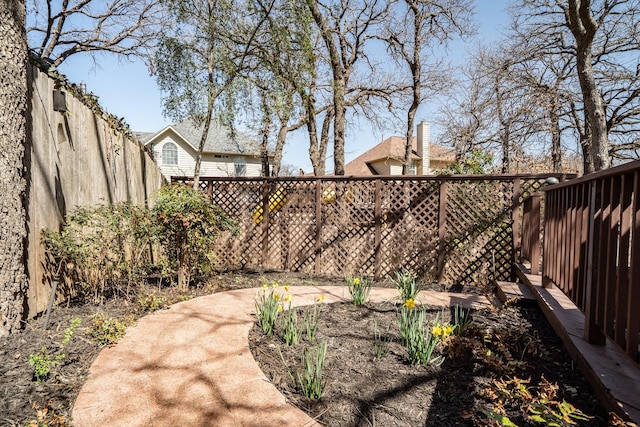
(478, 234)
(239, 200)
(409, 227)
(292, 229)
(347, 227)
(329, 226)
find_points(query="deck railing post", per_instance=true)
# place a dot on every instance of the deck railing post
(592, 333)
(534, 237)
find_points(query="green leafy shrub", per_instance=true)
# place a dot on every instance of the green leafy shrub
(44, 364)
(102, 250)
(188, 224)
(150, 302)
(107, 330)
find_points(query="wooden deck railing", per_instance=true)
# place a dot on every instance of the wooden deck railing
(591, 251)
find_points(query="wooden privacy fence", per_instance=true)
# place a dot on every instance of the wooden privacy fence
(592, 251)
(452, 230)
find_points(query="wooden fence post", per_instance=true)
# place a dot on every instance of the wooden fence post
(265, 223)
(318, 248)
(378, 229)
(442, 224)
(515, 225)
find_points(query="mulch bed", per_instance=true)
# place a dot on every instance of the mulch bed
(360, 390)
(501, 344)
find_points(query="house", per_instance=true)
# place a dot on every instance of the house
(175, 148)
(386, 158)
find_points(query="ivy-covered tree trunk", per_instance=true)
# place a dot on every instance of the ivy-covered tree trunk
(13, 108)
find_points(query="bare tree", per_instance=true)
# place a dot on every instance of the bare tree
(344, 28)
(13, 134)
(280, 69)
(59, 29)
(411, 36)
(603, 43)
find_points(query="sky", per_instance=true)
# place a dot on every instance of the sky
(126, 90)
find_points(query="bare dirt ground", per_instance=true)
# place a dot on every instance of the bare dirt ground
(517, 342)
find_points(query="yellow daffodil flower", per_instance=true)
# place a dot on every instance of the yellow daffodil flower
(276, 296)
(288, 298)
(286, 288)
(280, 308)
(320, 298)
(265, 287)
(356, 281)
(436, 331)
(274, 286)
(410, 303)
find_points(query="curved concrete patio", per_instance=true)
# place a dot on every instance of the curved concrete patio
(190, 365)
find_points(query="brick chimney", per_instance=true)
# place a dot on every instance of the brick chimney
(423, 143)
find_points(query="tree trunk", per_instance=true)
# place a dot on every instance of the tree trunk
(339, 124)
(556, 152)
(277, 153)
(584, 27)
(415, 64)
(13, 135)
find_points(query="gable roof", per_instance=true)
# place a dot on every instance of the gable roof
(219, 139)
(393, 148)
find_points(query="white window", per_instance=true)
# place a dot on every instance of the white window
(413, 168)
(240, 166)
(169, 154)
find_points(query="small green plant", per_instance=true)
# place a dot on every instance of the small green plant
(311, 318)
(44, 363)
(461, 319)
(291, 332)
(359, 288)
(405, 282)
(310, 380)
(267, 308)
(149, 303)
(107, 330)
(381, 344)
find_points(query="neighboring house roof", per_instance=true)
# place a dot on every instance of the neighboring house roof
(219, 139)
(393, 148)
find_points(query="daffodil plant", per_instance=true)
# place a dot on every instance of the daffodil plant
(311, 318)
(290, 330)
(405, 282)
(359, 288)
(417, 337)
(268, 306)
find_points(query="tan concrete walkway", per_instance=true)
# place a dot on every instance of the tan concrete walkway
(190, 365)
